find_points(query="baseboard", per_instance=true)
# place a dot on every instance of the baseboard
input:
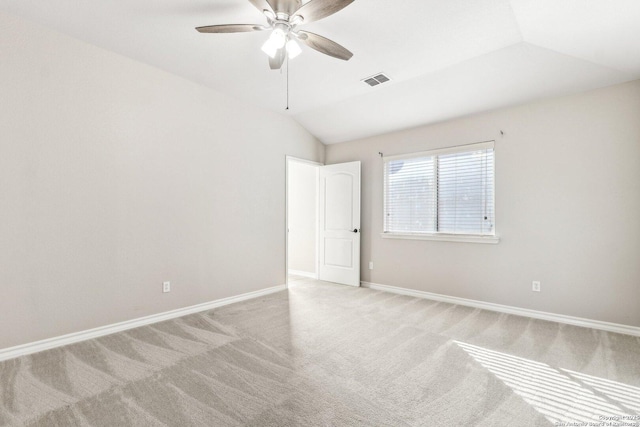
(37, 346)
(552, 317)
(304, 274)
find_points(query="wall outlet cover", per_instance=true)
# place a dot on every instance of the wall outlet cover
(166, 286)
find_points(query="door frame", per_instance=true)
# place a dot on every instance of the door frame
(286, 211)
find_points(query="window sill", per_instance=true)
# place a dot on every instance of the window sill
(463, 238)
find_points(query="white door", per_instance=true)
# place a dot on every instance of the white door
(339, 242)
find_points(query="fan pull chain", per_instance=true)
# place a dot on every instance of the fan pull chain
(287, 83)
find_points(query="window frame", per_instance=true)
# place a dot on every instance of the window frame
(441, 236)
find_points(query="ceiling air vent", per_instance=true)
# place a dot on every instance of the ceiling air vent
(376, 80)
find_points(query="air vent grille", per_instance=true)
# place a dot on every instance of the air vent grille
(377, 79)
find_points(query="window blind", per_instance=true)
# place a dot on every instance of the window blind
(448, 191)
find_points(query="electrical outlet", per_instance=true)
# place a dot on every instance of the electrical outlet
(166, 286)
(370, 265)
(535, 286)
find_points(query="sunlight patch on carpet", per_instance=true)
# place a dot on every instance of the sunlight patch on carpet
(561, 395)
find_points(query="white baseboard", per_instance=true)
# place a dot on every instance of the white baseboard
(37, 346)
(552, 317)
(304, 274)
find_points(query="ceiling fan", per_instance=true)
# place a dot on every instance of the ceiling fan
(284, 17)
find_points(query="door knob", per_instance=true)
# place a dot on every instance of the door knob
(355, 230)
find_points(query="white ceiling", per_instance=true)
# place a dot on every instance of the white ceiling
(446, 58)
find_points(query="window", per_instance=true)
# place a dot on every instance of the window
(446, 194)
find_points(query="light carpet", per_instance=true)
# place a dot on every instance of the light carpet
(321, 354)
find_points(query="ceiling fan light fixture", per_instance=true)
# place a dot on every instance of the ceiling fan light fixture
(275, 42)
(269, 48)
(278, 37)
(293, 49)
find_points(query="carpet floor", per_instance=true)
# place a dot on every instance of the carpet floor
(321, 354)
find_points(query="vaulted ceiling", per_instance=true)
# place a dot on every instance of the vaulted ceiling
(446, 59)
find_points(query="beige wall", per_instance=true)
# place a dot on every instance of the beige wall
(115, 176)
(567, 208)
(302, 204)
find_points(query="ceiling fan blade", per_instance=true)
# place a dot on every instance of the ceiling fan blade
(285, 6)
(261, 5)
(318, 9)
(324, 45)
(233, 28)
(276, 62)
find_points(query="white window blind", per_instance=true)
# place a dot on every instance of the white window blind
(448, 191)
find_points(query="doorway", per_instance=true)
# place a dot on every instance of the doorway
(302, 219)
(322, 219)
